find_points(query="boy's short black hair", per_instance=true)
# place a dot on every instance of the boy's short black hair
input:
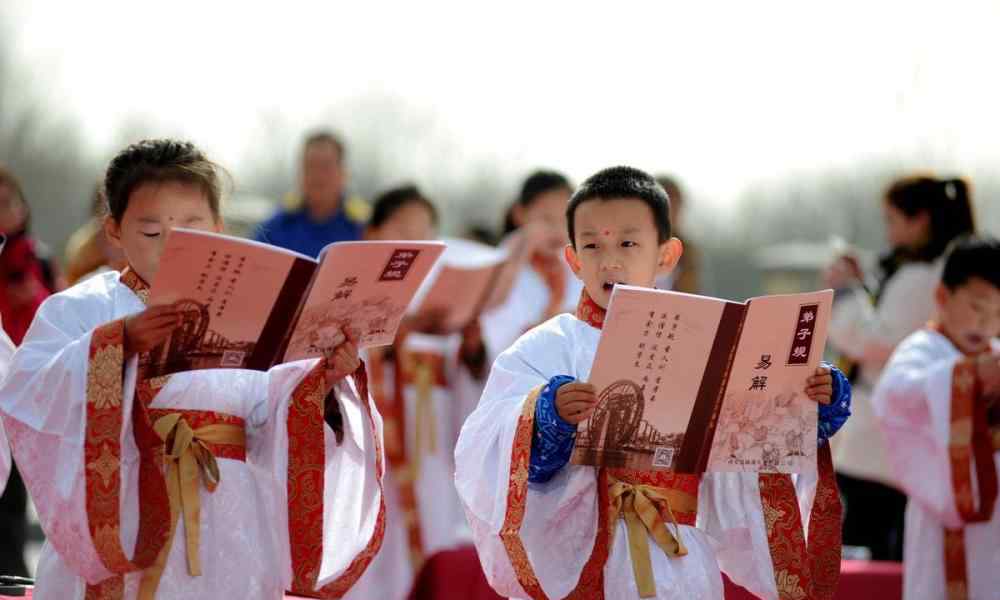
(970, 257)
(390, 201)
(617, 183)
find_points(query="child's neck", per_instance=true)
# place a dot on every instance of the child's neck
(939, 327)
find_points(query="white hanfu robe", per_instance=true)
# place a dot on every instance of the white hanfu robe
(525, 307)
(537, 540)
(421, 428)
(914, 401)
(6, 352)
(299, 512)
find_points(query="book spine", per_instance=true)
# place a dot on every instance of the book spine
(277, 329)
(700, 431)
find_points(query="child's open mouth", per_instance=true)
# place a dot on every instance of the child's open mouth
(610, 285)
(975, 340)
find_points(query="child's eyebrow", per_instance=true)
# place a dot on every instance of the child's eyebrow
(149, 220)
(631, 229)
(588, 233)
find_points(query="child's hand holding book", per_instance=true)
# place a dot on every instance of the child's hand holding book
(819, 387)
(150, 328)
(341, 358)
(575, 402)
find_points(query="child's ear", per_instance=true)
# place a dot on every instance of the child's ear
(941, 295)
(113, 231)
(517, 214)
(572, 259)
(670, 253)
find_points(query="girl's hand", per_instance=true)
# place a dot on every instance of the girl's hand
(149, 328)
(819, 387)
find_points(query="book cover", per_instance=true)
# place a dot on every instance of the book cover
(671, 369)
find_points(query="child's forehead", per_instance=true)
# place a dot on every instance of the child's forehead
(613, 214)
(980, 288)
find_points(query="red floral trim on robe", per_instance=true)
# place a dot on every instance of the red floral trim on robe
(102, 460)
(803, 571)
(970, 443)
(306, 462)
(590, 312)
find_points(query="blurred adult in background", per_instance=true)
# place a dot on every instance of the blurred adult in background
(88, 251)
(871, 315)
(543, 286)
(323, 214)
(685, 278)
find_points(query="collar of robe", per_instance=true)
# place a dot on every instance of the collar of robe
(589, 311)
(132, 281)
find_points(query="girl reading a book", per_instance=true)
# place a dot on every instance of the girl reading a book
(420, 385)
(548, 529)
(544, 286)
(201, 484)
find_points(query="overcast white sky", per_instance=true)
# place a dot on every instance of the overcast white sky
(720, 93)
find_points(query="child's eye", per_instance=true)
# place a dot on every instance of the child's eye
(151, 235)
(629, 244)
(590, 246)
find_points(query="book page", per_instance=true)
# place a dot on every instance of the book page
(227, 289)
(364, 286)
(648, 370)
(461, 282)
(767, 423)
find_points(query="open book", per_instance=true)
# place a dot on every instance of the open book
(467, 280)
(692, 384)
(248, 305)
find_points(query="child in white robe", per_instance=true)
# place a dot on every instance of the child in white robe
(219, 483)
(937, 402)
(418, 385)
(543, 285)
(546, 529)
(6, 352)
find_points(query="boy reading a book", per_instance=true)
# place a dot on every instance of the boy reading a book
(197, 485)
(547, 529)
(937, 402)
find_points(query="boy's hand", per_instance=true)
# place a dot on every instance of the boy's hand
(575, 402)
(819, 387)
(149, 328)
(342, 360)
(988, 371)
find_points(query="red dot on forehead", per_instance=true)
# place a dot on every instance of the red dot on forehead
(607, 232)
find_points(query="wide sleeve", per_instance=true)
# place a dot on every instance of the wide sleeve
(868, 333)
(335, 517)
(913, 404)
(518, 526)
(67, 409)
(6, 352)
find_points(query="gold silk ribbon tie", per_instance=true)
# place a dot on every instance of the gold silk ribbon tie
(188, 459)
(643, 507)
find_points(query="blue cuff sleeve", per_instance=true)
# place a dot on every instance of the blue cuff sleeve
(832, 416)
(552, 439)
